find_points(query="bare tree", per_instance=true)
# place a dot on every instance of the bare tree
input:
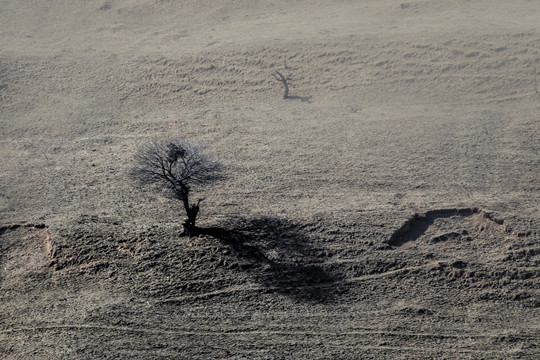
(176, 166)
(283, 80)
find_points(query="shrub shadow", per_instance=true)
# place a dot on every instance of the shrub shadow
(280, 255)
(306, 99)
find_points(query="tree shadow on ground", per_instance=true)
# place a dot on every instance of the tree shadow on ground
(283, 256)
(306, 99)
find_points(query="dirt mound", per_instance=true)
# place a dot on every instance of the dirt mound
(474, 246)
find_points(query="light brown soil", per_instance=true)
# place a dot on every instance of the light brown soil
(387, 210)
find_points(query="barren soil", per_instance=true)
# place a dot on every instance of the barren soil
(389, 209)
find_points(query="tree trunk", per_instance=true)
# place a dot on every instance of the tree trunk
(190, 229)
(285, 90)
(191, 212)
(282, 79)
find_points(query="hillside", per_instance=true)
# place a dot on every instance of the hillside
(389, 209)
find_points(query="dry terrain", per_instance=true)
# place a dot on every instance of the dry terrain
(389, 209)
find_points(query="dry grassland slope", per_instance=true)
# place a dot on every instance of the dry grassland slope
(387, 209)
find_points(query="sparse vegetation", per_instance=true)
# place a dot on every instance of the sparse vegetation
(176, 166)
(283, 80)
(382, 186)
